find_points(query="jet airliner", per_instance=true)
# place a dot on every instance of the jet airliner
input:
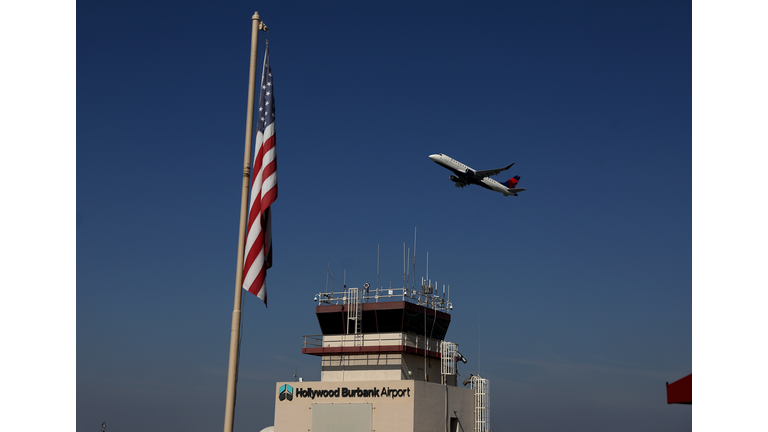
(465, 175)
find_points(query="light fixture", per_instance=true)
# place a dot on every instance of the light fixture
(467, 380)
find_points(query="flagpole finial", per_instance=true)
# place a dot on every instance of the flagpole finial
(262, 26)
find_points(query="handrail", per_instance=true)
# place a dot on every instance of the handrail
(410, 295)
(375, 339)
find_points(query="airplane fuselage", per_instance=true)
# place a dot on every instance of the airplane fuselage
(465, 175)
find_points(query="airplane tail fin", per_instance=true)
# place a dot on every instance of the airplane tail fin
(512, 183)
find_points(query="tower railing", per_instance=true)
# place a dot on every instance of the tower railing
(366, 295)
(372, 339)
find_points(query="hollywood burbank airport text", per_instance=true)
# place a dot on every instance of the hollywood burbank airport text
(350, 393)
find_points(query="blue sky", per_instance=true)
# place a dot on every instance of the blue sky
(574, 297)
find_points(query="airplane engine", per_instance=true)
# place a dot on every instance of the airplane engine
(457, 181)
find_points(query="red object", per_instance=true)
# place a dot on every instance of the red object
(258, 246)
(680, 391)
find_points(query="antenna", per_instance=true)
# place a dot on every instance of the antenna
(414, 257)
(426, 285)
(295, 374)
(426, 304)
(405, 284)
(378, 255)
(409, 266)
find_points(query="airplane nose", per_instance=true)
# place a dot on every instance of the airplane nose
(433, 156)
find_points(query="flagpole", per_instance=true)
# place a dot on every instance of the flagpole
(234, 342)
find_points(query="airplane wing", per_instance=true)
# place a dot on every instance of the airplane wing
(488, 173)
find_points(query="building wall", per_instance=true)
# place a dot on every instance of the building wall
(416, 363)
(397, 405)
(362, 367)
(380, 367)
(437, 404)
(351, 417)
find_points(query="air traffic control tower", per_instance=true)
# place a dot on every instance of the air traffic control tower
(385, 366)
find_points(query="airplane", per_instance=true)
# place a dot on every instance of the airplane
(466, 175)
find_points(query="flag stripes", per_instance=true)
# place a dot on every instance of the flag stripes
(258, 248)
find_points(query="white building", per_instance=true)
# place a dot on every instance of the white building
(385, 366)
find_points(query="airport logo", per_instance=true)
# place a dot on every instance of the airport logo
(285, 392)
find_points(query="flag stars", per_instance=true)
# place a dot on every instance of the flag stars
(266, 112)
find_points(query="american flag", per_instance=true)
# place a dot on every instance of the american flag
(258, 246)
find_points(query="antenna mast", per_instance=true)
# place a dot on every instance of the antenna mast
(409, 265)
(378, 255)
(414, 257)
(405, 283)
(327, 273)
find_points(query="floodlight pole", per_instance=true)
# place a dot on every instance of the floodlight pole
(234, 342)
